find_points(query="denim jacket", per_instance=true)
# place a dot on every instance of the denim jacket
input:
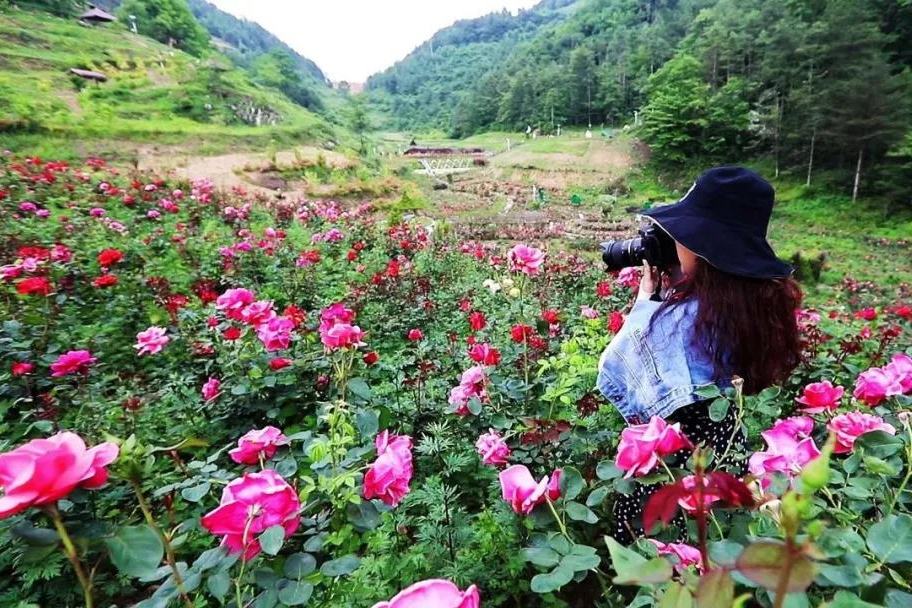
(654, 374)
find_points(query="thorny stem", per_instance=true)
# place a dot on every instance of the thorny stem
(238, 582)
(784, 574)
(72, 555)
(169, 550)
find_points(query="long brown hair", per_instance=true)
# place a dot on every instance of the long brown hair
(746, 326)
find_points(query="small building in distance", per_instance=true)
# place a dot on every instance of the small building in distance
(88, 74)
(95, 15)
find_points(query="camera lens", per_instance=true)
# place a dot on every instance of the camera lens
(621, 254)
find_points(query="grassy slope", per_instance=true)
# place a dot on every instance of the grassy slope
(154, 93)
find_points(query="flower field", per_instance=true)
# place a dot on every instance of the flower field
(210, 399)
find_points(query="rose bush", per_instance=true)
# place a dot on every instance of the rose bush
(298, 402)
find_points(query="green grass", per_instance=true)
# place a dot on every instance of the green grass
(154, 93)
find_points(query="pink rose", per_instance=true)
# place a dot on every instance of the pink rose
(43, 471)
(275, 334)
(875, 385)
(587, 312)
(264, 441)
(900, 370)
(820, 396)
(851, 426)
(643, 445)
(492, 448)
(525, 259)
(414, 335)
(252, 504)
(342, 335)
(257, 313)
(789, 447)
(684, 555)
(151, 341)
(629, 277)
(520, 489)
(471, 386)
(72, 362)
(335, 314)
(435, 593)
(233, 301)
(389, 476)
(211, 389)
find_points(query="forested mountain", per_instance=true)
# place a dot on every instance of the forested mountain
(811, 83)
(244, 41)
(424, 88)
(248, 39)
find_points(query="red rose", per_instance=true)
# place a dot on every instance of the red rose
(603, 289)
(904, 311)
(520, 333)
(105, 280)
(232, 333)
(615, 322)
(868, 314)
(371, 357)
(109, 257)
(297, 316)
(477, 321)
(551, 316)
(415, 334)
(34, 286)
(20, 368)
(352, 255)
(279, 363)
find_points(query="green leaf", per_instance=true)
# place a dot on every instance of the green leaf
(360, 388)
(287, 467)
(340, 567)
(596, 497)
(136, 550)
(551, 581)
(607, 470)
(580, 563)
(571, 483)
(844, 599)
(559, 543)
(580, 512)
(39, 537)
(708, 392)
(879, 444)
(842, 575)
(656, 570)
(296, 594)
(271, 539)
(368, 422)
(676, 596)
(363, 516)
(197, 492)
(716, 589)
(218, 584)
(891, 539)
(764, 563)
(879, 466)
(299, 565)
(541, 556)
(718, 409)
(623, 560)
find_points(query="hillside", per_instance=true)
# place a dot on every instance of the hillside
(424, 89)
(152, 92)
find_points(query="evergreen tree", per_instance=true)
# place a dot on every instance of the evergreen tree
(675, 118)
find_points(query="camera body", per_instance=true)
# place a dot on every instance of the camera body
(653, 245)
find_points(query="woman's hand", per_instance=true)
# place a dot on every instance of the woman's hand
(649, 282)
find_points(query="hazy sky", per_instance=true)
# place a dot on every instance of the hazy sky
(352, 39)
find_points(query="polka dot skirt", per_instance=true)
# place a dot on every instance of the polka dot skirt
(700, 429)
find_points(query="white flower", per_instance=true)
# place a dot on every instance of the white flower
(492, 285)
(514, 293)
(507, 282)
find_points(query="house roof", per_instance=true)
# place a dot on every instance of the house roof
(96, 14)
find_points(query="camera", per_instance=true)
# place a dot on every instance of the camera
(653, 245)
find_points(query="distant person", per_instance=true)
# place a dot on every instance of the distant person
(725, 307)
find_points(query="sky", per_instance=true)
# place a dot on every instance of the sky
(352, 39)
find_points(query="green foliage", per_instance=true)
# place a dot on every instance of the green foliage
(167, 21)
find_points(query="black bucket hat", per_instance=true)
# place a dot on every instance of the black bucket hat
(724, 218)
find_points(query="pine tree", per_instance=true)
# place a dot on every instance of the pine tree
(675, 119)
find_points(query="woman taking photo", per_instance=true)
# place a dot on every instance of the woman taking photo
(727, 310)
